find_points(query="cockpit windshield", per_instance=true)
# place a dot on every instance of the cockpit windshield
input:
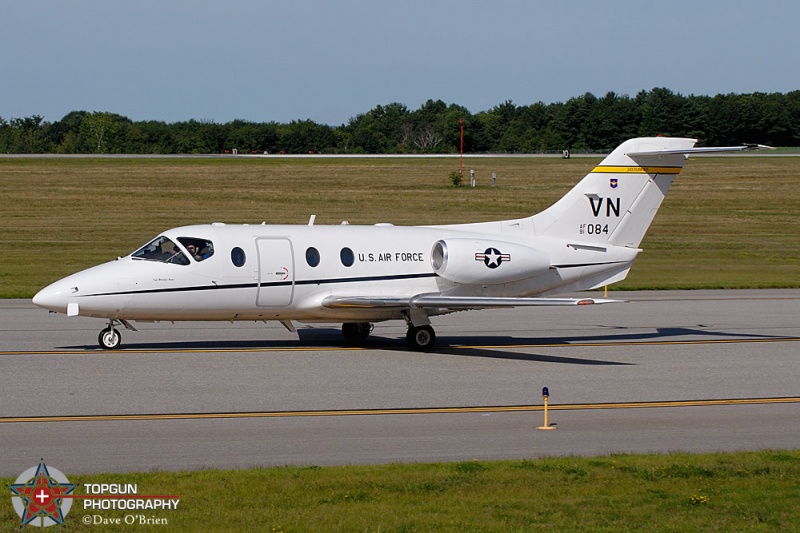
(163, 250)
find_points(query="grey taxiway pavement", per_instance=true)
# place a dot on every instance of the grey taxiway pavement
(669, 371)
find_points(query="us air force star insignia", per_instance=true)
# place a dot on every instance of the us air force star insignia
(492, 257)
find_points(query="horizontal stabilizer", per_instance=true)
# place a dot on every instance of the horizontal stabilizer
(710, 150)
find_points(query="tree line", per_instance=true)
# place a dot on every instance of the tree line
(582, 123)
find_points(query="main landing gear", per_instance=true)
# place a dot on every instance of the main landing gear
(356, 332)
(418, 338)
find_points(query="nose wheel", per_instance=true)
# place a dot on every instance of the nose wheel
(109, 338)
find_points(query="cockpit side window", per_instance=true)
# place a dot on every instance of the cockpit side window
(199, 249)
(163, 250)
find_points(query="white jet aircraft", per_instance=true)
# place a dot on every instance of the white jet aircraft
(357, 275)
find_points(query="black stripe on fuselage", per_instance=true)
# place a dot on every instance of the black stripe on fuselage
(166, 290)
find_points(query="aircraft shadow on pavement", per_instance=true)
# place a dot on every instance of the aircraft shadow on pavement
(489, 346)
(658, 334)
(331, 338)
(499, 353)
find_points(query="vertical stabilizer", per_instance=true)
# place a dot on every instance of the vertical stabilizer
(616, 202)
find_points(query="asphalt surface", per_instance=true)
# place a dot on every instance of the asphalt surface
(221, 395)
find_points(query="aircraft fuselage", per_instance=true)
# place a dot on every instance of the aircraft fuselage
(261, 272)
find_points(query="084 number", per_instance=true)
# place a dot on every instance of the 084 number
(594, 229)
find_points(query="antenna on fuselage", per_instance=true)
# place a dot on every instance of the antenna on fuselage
(311, 220)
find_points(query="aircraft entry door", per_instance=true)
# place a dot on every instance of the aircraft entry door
(275, 272)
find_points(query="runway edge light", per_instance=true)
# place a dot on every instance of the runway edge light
(547, 425)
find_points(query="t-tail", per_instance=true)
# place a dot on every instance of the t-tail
(616, 202)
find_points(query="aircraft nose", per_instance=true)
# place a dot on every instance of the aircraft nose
(54, 297)
(75, 294)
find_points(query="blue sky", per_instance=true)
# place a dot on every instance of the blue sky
(328, 61)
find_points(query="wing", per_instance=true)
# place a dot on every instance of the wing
(424, 301)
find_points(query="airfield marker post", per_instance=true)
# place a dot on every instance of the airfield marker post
(461, 150)
(547, 425)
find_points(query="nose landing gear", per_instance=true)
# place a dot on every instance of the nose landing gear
(109, 338)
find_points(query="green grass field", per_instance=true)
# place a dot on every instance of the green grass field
(728, 222)
(754, 491)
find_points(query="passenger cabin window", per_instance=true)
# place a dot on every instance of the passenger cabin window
(237, 257)
(347, 256)
(312, 256)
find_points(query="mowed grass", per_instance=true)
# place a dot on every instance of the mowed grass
(728, 222)
(748, 491)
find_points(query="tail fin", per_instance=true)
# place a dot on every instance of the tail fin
(616, 202)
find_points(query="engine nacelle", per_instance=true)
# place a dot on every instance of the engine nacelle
(487, 262)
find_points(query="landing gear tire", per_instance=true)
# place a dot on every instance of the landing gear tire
(356, 332)
(420, 338)
(109, 339)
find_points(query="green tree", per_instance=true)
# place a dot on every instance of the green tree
(661, 112)
(155, 137)
(5, 136)
(64, 134)
(104, 132)
(299, 137)
(29, 135)
(383, 129)
(585, 122)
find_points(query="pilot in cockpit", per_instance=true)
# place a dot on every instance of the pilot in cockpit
(194, 252)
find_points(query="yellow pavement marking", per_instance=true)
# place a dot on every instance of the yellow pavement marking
(402, 411)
